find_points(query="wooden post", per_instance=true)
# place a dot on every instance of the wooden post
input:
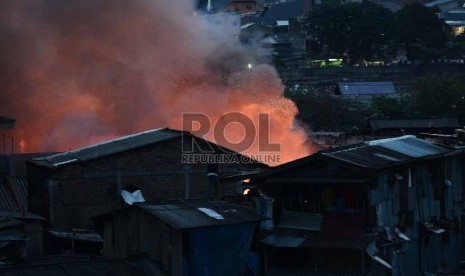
(118, 182)
(265, 261)
(176, 253)
(363, 261)
(51, 199)
(187, 184)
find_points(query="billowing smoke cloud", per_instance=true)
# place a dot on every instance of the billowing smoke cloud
(76, 72)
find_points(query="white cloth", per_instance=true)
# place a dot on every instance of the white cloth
(131, 198)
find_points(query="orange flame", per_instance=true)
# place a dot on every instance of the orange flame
(79, 73)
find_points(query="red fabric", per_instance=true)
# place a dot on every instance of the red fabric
(343, 224)
(351, 198)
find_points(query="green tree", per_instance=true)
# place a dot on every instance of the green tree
(355, 30)
(392, 108)
(420, 31)
(440, 96)
(323, 111)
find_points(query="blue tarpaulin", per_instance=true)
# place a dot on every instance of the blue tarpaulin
(221, 250)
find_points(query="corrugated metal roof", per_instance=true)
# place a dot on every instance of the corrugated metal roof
(9, 222)
(109, 147)
(20, 215)
(439, 2)
(283, 241)
(77, 234)
(283, 11)
(245, 26)
(454, 15)
(300, 220)
(366, 88)
(13, 194)
(386, 152)
(377, 124)
(186, 215)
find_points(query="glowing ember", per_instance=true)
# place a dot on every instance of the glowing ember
(22, 145)
(79, 72)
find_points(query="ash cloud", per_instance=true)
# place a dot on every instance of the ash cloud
(75, 72)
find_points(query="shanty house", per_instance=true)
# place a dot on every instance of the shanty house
(455, 21)
(385, 206)
(20, 236)
(183, 238)
(71, 187)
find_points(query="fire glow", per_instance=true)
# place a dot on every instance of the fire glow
(76, 73)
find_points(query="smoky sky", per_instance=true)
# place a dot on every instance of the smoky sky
(76, 72)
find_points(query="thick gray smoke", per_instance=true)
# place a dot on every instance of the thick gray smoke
(75, 72)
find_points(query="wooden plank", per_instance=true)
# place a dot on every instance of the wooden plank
(176, 253)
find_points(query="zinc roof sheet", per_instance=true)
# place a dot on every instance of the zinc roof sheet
(9, 222)
(283, 241)
(20, 215)
(186, 215)
(108, 147)
(454, 15)
(386, 152)
(283, 11)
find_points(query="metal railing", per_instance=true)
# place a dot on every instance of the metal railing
(6, 144)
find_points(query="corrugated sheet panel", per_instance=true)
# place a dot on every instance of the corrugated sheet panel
(20, 215)
(283, 11)
(386, 152)
(411, 146)
(9, 222)
(457, 15)
(283, 241)
(301, 220)
(186, 215)
(77, 234)
(109, 147)
(13, 194)
(366, 88)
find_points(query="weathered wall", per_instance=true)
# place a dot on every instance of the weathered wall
(425, 199)
(70, 196)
